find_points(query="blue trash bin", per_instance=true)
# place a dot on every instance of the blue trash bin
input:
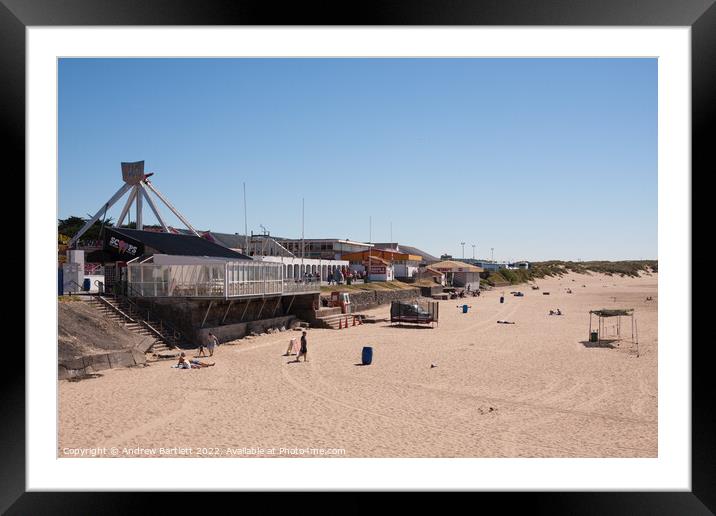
(464, 308)
(367, 356)
(86, 285)
(60, 282)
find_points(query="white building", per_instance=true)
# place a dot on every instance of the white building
(295, 267)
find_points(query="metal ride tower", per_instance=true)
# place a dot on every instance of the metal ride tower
(136, 182)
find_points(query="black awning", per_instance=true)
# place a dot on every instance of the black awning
(122, 246)
(100, 256)
(130, 243)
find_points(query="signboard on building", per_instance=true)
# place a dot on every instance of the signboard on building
(377, 269)
(122, 247)
(133, 173)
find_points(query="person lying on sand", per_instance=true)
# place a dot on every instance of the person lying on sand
(196, 364)
(505, 322)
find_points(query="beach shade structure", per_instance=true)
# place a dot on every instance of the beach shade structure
(421, 312)
(609, 326)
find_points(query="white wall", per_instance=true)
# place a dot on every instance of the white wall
(405, 271)
(463, 279)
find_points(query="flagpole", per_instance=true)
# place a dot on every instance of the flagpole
(246, 226)
(303, 241)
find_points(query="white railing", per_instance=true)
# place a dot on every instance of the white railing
(292, 285)
(227, 280)
(94, 269)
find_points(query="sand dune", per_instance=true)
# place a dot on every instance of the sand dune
(532, 389)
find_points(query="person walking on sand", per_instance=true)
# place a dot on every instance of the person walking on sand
(303, 352)
(213, 342)
(201, 352)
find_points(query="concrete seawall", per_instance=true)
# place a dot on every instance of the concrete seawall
(372, 299)
(89, 364)
(228, 332)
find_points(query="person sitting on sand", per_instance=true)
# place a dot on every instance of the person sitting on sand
(191, 364)
(183, 362)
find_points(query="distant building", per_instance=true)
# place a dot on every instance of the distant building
(404, 265)
(459, 274)
(490, 265)
(431, 274)
(377, 269)
(322, 248)
(297, 268)
(426, 258)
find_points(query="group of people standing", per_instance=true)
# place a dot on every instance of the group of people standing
(344, 274)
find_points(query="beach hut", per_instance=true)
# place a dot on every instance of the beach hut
(431, 274)
(459, 274)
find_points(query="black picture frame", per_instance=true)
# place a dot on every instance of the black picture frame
(700, 15)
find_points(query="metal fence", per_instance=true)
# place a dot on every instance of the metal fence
(227, 280)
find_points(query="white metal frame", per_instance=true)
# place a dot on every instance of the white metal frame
(229, 280)
(138, 194)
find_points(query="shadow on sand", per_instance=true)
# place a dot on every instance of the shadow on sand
(408, 326)
(605, 343)
(87, 376)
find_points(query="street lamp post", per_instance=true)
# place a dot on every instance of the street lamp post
(492, 254)
(473, 251)
(463, 249)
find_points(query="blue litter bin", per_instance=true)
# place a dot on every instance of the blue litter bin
(60, 282)
(464, 308)
(86, 285)
(367, 356)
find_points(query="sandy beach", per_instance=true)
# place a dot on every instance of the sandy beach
(532, 389)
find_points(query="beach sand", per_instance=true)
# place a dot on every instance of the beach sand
(532, 389)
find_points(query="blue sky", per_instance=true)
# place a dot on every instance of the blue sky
(536, 158)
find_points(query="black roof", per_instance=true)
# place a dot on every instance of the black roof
(234, 241)
(179, 245)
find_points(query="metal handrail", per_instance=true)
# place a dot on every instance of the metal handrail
(70, 282)
(176, 334)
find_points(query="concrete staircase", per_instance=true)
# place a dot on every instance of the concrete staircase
(163, 338)
(333, 318)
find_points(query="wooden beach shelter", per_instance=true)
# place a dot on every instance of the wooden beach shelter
(607, 332)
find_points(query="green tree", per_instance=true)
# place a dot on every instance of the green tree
(71, 226)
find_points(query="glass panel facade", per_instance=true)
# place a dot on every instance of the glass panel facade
(232, 279)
